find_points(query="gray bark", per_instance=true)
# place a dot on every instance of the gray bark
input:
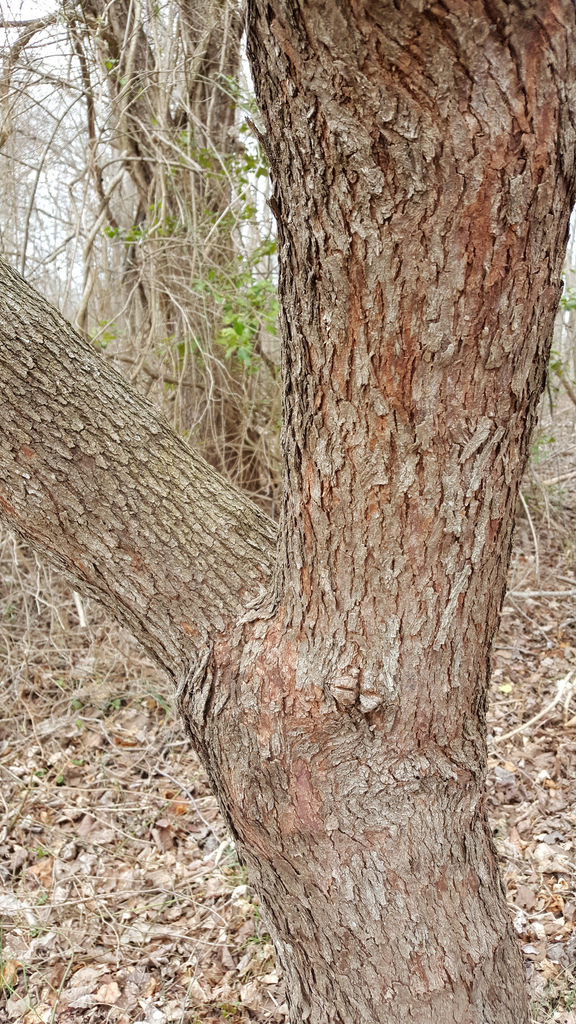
(95, 479)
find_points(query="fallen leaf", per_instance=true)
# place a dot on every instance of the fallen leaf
(42, 1013)
(162, 834)
(16, 1007)
(525, 897)
(9, 973)
(42, 870)
(108, 993)
(88, 975)
(270, 979)
(178, 807)
(251, 995)
(150, 987)
(550, 860)
(196, 993)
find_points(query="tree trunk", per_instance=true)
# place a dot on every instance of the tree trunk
(423, 164)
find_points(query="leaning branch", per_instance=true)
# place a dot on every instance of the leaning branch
(96, 481)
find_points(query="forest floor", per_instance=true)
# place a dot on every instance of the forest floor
(121, 898)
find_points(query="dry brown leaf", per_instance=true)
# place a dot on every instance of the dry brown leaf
(9, 973)
(251, 995)
(550, 860)
(125, 739)
(162, 834)
(42, 870)
(16, 1007)
(549, 970)
(108, 993)
(196, 993)
(150, 987)
(246, 931)
(516, 839)
(525, 897)
(178, 807)
(42, 1013)
(555, 904)
(223, 993)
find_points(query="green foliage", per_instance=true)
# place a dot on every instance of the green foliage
(556, 364)
(247, 299)
(540, 446)
(250, 307)
(113, 704)
(157, 225)
(230, 1011)
(568, 300)
(238, 287)
(105, 333)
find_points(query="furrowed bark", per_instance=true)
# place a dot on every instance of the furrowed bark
(423, 163)
(94, 478)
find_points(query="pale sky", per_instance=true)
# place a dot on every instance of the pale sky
(24, 9)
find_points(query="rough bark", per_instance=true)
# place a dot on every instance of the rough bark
(423, 162)
(94, 478)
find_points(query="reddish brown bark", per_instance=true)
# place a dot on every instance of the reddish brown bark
(422, 155)
(423, 158)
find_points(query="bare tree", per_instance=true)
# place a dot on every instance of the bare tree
(423, 160)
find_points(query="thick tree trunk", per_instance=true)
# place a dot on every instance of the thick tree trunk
(423, 163)
(422, 155)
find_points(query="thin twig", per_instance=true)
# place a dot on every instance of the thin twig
(533, 532)
(541, 593)
(563, 692)
(553, 480)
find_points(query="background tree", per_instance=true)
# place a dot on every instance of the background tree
(423, 161)
(126, 160)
